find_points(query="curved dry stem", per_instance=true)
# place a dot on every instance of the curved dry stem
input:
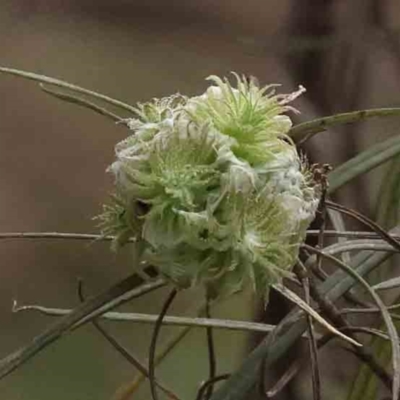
(366, 221)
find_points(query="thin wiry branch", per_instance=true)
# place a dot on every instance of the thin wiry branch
(212, 361)
(123, 351)
(321, 173)
(153, 343)
(210, 382)
(126, 391)
(301, 273)
(366, 221)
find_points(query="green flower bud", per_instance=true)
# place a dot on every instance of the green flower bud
(214, 188)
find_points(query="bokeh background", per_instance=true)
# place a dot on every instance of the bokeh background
(53, 155)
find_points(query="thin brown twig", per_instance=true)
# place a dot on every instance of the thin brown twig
(320, 175)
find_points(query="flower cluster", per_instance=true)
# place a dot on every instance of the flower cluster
(213, 187)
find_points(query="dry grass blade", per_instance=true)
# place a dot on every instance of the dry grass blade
(348, 234)
(359, 244)
(293, 297)
(304, 131)
(227, 324)
(388, 284)
(74, 88)
(81, 102)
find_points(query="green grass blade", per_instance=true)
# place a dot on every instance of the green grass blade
(364, 162)
(388, 284)
(338, 224)
(389, 196)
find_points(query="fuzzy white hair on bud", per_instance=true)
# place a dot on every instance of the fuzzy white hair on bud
(213, 187)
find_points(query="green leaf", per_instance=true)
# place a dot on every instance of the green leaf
(364, 162)
(389, 196)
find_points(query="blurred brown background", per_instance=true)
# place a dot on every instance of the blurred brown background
(53, 155)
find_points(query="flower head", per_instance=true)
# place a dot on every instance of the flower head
(213, 187)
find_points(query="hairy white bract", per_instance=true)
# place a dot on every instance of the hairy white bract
(213, 187)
